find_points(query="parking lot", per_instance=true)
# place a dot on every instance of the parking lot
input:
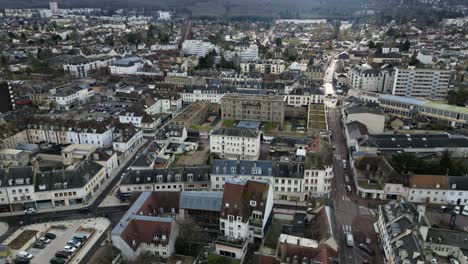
(93, 228)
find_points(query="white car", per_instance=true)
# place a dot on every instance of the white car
(456, 210)
(465, 211)
(45, 240)
(30, 210)
(70, 249)
(74, 243)
(25, 254)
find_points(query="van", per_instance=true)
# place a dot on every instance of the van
(349, 240)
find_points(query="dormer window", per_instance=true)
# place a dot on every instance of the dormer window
(177, 177)
(190, 177)
(256, 170)
(253, 203)
(159, 178)
(233, 169)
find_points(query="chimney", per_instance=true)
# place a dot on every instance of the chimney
(421, 211)
(298, 241)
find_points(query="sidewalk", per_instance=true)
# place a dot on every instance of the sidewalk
(96, 195)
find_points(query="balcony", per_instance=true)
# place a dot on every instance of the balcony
(256, 222)
(230, 241)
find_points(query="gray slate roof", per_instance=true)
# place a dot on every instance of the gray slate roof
(201, 200)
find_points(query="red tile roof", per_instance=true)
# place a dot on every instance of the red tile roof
(142, 231)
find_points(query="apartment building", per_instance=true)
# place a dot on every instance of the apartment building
(126, 66)
(372, 117)
(198, 47)
(235, 143)
(263, 66)
(81, 67)
(245, 213)
(424, 83)
(408, 107)
(264, 108)
(305, 96)
(69, 96)
(13, 157)
(365, 78)
(149, 226)
(172, 179)
(287, 179)
(407, 236)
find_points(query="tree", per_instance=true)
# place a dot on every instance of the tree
(406, 45)
(279, 42)
(371, 44)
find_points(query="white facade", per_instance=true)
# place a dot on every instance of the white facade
(364, 78)
(198, 47)
(85, 68)
(305, 100)
(124, 146)
(263, 66)
(126, 66)
(235, 147)
(318, 182)
(212, 96)
(425, 83)
(66, 100)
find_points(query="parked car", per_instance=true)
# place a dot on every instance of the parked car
(454, 261)
(84, 210)
(74, 243)
(366, 249)
(465, 211)
(70, 249)
(57, 260)
(50, 235)
(349, 240)
(45, 240)
(39, 244)
(30, 210)
(25, 254)
(80, 238)
(456, 210)
(63, 254)
(19, 260)
(443, 209)
(348, 188)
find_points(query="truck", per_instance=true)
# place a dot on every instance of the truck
(349, 240)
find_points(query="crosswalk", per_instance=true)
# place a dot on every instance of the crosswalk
(345, 198)
(364, 211)
(347, 229)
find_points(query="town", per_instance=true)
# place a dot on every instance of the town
(138, 136)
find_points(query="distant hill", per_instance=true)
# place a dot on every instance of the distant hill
(215, 8)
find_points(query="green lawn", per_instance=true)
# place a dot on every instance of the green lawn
(228, 123)
(201, 128)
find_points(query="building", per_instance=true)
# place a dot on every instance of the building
(13, 158)
(287, 179)
(70, 96)
(264, 108)
(81, 67)
(172, 179)
(149, 226)
(424, 83)
(456, 145)
(365, 78)
(246, 213)
(54, 8)
(407, 236)
(373, 118)
(242, 53)
(305, 96)
(263, 66)
(235, 143)
(126, 66)
(408, 107)
(198, 47)
(318, 173)
(194, 114)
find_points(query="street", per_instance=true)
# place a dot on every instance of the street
(352, 216)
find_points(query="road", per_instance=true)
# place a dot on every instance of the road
(351, 215)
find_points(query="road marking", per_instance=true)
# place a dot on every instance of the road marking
(347, 229)
(346, 198)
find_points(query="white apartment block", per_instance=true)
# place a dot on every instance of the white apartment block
(198, 47)
(364, 78)
(100, 137)
(126, 66)
(67, 97)
(210, 95)
(424, 83)
(263, 66)
(83, 67)
(235, 143)
(242, 53)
